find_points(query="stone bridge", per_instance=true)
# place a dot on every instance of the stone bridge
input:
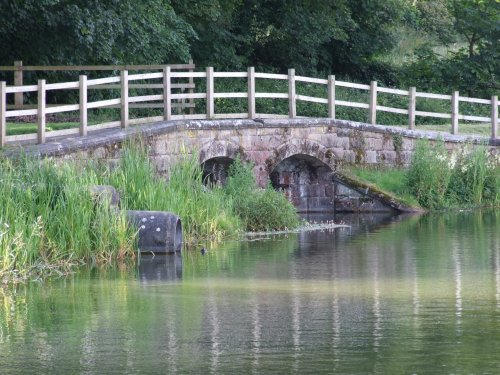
(299, 156)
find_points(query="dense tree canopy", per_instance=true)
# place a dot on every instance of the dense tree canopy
(343, 37)
(472, 64)
(92, 32)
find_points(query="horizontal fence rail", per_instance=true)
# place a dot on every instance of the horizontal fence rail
(182, 95)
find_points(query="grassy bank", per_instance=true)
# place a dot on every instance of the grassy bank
(437, 180)
(49, 221)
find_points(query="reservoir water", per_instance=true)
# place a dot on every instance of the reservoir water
(387, 295)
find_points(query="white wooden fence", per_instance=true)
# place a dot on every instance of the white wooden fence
(167, 98)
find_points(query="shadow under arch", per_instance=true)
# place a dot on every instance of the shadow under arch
(215, 158)
(306, 182)
(216, 170)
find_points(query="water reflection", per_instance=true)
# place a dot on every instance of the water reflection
(160, 267)
(497, 276)
(256, 335)
(389, 296)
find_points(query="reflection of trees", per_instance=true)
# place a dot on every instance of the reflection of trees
(497, 274)
(350, 301)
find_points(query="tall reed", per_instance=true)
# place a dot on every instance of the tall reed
(48, 218)
(469, 177)
(206, 214)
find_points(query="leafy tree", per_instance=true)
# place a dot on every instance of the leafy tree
(433, 17)
(372, 32)
(218, 41)
(55, 32)
(290, 33)
(473, 69)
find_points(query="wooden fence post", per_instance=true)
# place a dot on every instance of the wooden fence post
(167, 91)
(18, 81)
(251, 92)
(124, 98)
(3, 106)
(494, 117)
(454, 112)
(83, 105)
(292, 102)
(191, 89)
(373, 103)
(331, 96)
(210, 92)
(41, 111)
(412, 105)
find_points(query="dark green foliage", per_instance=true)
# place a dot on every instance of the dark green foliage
(454, 42)
(59, 32)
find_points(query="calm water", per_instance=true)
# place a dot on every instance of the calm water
(387, 296)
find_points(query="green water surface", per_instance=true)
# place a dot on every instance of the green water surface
(389, 295)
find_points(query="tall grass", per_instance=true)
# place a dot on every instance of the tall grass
(206, 214)
(49, 220)
(437, 179)
(469, 177)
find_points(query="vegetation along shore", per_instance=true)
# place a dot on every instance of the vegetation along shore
(50, 223)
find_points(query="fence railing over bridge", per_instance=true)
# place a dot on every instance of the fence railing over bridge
(171, 95)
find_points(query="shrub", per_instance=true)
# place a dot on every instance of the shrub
(429, 175)
(260, 209)
(469, 177)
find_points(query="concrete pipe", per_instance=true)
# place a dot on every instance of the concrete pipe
(159, 232)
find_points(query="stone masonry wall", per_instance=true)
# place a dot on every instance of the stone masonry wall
(266, 143)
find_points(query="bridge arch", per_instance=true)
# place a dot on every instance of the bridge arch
(303, 170)
(215, 158)
(301, 147)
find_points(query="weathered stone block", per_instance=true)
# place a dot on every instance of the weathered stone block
(371, 157)
(338, 153)
(98, 153)
(159, 147)
(405, 157)
(387, 157)
(105, 193)
(342, 190)
(373, 144)
(329, 190)
(161, 163)
(349, 156)
(408, 144)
